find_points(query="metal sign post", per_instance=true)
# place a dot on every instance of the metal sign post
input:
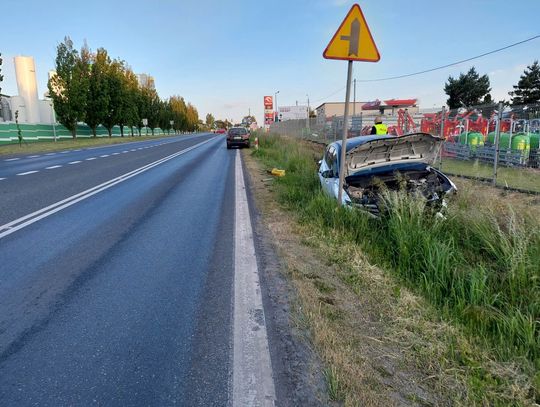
(351, 42)
(345, 131)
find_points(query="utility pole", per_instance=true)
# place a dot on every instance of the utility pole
(354, 99)
(277, 109)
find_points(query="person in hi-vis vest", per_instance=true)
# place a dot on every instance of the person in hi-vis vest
(379, 128)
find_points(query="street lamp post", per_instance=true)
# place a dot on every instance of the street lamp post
(53, 120)
(277, 109)
(172, 124)
(53, 114)
(307, 119)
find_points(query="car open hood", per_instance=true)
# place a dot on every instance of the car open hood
(417, 147)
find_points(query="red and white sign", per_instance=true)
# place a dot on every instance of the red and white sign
(268, 102)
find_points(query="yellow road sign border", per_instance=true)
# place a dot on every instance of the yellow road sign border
(339, 29)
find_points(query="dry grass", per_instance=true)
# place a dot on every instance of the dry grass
(381, 343)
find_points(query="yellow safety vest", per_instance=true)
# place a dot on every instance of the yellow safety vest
(381, 128)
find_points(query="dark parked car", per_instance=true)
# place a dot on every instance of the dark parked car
(238, 136)
(376, 163)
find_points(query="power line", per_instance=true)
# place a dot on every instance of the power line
(332, 94)
(451, 64)
(436, 68)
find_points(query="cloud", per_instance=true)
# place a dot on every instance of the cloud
(512, 70)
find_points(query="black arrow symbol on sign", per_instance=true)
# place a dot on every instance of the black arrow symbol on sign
(353, 38)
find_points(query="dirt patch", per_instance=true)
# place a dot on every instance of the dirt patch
(378, 341)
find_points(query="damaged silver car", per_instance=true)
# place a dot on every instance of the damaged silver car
(374, 164)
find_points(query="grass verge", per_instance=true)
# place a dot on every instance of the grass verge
(460, 297)
(68, 144)
(522, 178)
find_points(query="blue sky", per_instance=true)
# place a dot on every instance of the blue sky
(224, 56)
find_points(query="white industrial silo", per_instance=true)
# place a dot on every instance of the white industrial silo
(25, 71)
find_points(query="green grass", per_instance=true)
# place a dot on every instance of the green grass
(480, 267)
(522, 178)
(67, 144)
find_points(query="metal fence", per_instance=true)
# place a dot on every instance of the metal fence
(494, 142)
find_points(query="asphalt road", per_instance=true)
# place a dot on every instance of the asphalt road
(121, 294)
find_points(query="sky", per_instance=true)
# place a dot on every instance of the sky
(224, 56)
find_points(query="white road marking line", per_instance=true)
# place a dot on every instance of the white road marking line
(253, 383)
(104, 156)
(1, 179)
(115, 153)
(33, 217)
(27, 172)
(33, 156)
(53, 167)
(74, 162)
(12, 159)
(91, 158)
(125, 151)
(50, 154)
(64, 152)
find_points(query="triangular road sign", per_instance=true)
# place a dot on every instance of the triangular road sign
(353, 40)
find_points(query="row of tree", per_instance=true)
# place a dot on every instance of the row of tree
(471, 89)
(95, 89)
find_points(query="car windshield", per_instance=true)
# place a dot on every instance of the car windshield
(237, 132)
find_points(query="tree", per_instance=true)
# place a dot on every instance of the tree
(128, 112)
(179, 112)
(165, 116)
(192, 117)
(98, 102)
(527, 89)
(115, 73)
(469, 89)
(210, 120)
(154, 109)
(68, 88)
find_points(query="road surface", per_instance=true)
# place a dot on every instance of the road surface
(129, 277)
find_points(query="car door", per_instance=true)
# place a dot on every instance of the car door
(328, 172)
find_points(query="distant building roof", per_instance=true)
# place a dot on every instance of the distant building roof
(400, 102)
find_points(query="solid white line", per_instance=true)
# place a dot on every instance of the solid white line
(27, 173)
(12, 159)
(253, 383)
(53, 167)
(33, 217)
(74, 162)
(91, 158)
